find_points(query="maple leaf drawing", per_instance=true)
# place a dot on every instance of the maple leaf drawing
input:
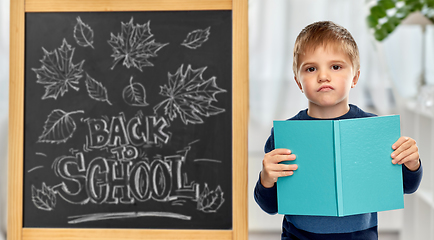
(58, 72)
(189, 95)
(134, 45)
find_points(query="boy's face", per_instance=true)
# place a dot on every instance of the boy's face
(326, 75)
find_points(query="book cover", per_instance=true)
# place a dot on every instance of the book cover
(344, 166)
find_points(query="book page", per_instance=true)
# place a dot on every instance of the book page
(370, 182)
(312, 188)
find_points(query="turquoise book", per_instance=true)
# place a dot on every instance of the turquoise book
(344, 166)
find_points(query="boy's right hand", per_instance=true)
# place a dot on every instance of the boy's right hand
(271, 169)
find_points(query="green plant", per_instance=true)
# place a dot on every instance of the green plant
(385, 15)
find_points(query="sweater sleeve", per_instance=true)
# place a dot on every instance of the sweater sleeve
(269, 145)
(266, 198)
(411, 180)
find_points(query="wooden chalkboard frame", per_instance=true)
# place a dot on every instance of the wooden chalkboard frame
(16, 117)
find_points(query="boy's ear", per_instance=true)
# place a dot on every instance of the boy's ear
(355, 79)
(298, 83)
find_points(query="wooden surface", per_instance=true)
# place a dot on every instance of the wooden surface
(16, 117)
(125, 5)
(240, 115)
(118, 234)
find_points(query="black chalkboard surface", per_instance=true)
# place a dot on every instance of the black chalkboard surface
(128, 120)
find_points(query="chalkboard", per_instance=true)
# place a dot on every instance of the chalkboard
(128, 120)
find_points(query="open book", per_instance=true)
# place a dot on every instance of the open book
(344, 166)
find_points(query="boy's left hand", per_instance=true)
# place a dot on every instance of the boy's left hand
(406, 152)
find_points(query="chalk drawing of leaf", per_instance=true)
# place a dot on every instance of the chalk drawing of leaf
(196, 38)
(44, 199)
(210, 201)
(134, 94)
(83, 34)
(58, 72)
(134, 45)
(58, 127)
(96, 90)
(189, 95)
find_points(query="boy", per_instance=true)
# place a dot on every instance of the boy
(326, 66)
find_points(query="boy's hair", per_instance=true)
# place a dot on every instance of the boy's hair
(321, 34)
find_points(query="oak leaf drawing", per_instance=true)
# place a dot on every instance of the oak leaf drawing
(96, 90)
(210, 201)
(58, 127)
(58, 72)
(196, 38)
(83, 34)
(190, 96)
(134, 45)
(45, 198)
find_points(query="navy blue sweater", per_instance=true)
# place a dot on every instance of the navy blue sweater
(361, 226)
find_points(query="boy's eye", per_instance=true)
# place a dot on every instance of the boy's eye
(336, 67)
(310, 69)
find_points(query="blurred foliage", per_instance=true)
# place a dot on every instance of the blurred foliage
(385, 15)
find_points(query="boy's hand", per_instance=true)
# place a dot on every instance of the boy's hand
(406, 152)
(271, 169)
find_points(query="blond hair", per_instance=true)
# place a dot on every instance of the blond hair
(324, 33)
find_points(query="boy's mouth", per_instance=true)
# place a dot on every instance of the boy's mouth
(325, 88)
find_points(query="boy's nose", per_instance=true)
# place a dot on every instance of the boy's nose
(323, 77)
